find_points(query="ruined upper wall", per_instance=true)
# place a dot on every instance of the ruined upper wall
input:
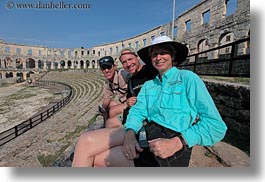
(213, 31)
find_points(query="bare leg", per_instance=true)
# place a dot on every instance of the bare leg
(95, 142)
(113, 158)
(106, 115)
(112, 103)
(116, 109)
(112, 122)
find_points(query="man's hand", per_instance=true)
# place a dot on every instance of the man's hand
(131, 146)
(131, 101)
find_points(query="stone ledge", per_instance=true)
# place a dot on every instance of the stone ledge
(64, 160)
(226, 154)
(230, 155)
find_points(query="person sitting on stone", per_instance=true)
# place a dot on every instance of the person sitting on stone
(115, 90)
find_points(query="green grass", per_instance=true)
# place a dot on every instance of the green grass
(48, 160)
(242, 80)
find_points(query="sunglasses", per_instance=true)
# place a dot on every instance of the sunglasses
(105, 59)
(105, 67)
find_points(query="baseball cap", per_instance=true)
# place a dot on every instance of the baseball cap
(127, 50)
(106, 61)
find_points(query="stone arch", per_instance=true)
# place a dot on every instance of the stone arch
(82, 64)
(29, 73)
(30, 63)
(75, 64)
(49, 65)
(62, 63)
(9, 63)
(93, 64)
(19, 63)
(40, 64)
(225, 38)
(69, 63)
(19, 76)
(9, 74)
(56, 65)
(87, 63)
(203, 45)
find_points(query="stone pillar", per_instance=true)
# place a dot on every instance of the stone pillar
(90, 63)
(213, 54)
(73, 64)
(1, 62)
(52, 65)
(24, 75)
(78, 65)
(24, 65)
(36, 65)
(3, 75)
(59, 65)
(45, 65)
(14, 76)
(66, 65)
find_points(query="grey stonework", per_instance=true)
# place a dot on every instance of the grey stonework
(233, 103)
(219, 30)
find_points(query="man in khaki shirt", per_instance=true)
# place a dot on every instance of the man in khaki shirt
(115, 89)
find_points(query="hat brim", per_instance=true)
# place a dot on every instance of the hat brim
(181, 52)
(105, 64)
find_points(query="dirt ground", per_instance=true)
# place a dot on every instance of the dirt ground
(19, 102)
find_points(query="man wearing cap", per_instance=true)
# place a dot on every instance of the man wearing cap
(115, 89)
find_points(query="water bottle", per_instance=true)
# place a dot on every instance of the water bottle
(142, 138)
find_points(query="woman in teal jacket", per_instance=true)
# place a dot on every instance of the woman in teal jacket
(177, 105)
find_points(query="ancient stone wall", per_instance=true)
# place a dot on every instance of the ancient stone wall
(233, 103)
(220, 25)
(220, 29)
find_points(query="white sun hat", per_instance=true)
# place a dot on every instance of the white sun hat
(180, 49)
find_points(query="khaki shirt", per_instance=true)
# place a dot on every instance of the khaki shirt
(117, 88)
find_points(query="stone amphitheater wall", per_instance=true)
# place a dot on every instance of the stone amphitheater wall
(220, 29)
(233, 103)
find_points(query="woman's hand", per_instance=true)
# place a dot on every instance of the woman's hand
(131, 146)
(164, 147)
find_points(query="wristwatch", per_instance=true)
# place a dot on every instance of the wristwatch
(184, 143)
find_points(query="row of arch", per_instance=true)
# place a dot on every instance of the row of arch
(17, 76)
(19, 69)
(31, 63)
(10, 63)
(225, 38)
